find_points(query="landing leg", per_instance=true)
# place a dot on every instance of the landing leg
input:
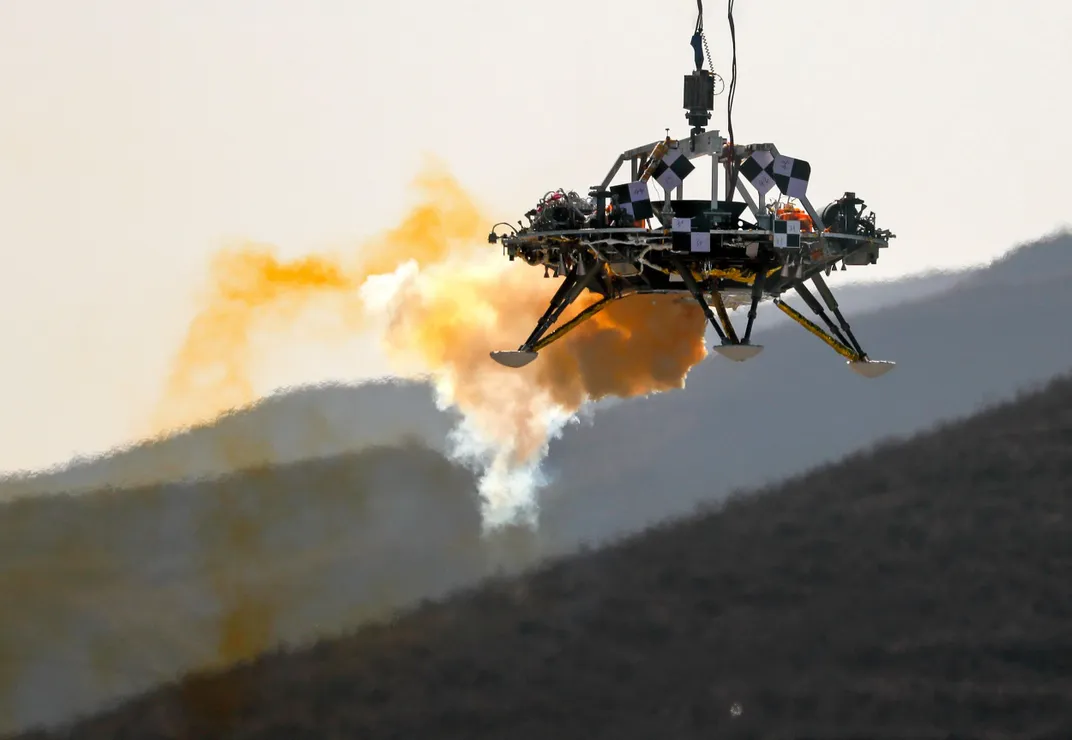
(843, 350)
(690, 283)
(757, 296)
(730, 348)
(724, 317)
(849, 348)
(862, 364)
(559, 301)
(817, 308)
(832, 304)
(572, 287)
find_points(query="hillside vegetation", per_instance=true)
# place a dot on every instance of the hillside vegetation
(916, 589)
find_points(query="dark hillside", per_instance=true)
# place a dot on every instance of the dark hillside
(914, 590)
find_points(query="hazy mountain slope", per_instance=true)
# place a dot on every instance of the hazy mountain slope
(307, 423)
(1028, 262)
(797, 404)
(110, 593)
(915, 590)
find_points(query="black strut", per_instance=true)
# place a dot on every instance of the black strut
(832, 304)
(565, 295)
(757, 296)
(815, 306)
(543, 323)
(690, 283)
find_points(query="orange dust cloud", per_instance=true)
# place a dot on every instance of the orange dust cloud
(451, 320)
(252, 292)
(442, 299)
(250, 286)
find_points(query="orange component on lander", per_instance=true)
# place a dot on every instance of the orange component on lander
(790, 212)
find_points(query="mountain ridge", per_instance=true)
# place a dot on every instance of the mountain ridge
(928, 597)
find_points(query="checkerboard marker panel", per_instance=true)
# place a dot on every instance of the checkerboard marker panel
(758, 169)
(688, 236)
(786, 234)
(672, 169)
(791, 176)
(634, 199)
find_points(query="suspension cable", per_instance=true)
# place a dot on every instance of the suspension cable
(698, 38)
(732, 163)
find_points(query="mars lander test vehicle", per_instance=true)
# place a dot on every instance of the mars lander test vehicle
(607, 243)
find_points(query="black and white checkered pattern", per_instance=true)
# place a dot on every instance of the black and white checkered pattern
(672, 169)
(690, 235)
(786, 234)
(759, 172)
(634, 199)
(791, 176)
(765, 171)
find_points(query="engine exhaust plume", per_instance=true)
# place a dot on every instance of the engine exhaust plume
(449, 319)
(440, 300)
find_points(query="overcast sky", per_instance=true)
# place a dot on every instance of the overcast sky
(137, 135)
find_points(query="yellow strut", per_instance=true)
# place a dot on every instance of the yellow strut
(733, 273)
(573, 323)
(653, 159)
(840, 348)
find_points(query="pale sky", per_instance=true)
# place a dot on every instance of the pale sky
(137, 135)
